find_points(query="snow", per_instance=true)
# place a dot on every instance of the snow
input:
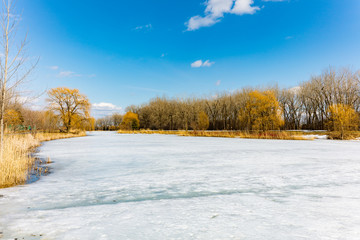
(315, 136)
(110, 186)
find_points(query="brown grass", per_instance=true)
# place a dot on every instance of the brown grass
(226, 134)
(17, 159)
(350, 135)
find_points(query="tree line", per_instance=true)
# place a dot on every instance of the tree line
(330, 101)
(307, 106)
(67, 110)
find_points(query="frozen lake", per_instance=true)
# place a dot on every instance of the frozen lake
(109, 186)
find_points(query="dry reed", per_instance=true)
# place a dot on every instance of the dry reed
(17, 159)
(283, 135)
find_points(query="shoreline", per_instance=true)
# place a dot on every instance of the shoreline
(19, 163)
(275, 135)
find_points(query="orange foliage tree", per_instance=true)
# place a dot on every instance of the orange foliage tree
(13, 118)
(130, 121)
(90, 126)
(70, 105)
(203, 121)
(343, 118)
(261, 112)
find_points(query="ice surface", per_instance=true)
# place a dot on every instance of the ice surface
(110, 186)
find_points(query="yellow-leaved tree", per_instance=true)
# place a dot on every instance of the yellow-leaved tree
(203, 121)
(13, 118)
(130, 121)
(343, 118)
(90, 125)
(72, 107)
(261, 112)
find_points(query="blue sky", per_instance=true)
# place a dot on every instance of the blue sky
(120, 53)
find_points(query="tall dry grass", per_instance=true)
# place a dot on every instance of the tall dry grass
(348, 135)
(283, 135)
(17, 159)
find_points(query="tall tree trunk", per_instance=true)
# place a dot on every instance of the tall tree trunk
(4, 80)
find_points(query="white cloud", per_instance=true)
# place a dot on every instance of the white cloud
(197, 64)
(144, 27)
(200, 63)
(197, 22)
(103, 109)
(215, 10)
(218, 7)
(31, 102)
(104, 105)
(244, 7)
(218, 82)
(207, 63)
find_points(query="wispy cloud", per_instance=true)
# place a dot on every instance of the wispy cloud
(200, 63)
(31, 102)
(27, 99)
(68, 74)
(54, 68)
(16, 17)
(146, 27)
(215, 10)
(218, 82)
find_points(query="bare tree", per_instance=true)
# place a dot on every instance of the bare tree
(13, 68)
(303, 107)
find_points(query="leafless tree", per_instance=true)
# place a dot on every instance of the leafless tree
(13, 61)
(303, 107)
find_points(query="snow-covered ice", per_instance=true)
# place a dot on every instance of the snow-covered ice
(110, 186)
(315, 136)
